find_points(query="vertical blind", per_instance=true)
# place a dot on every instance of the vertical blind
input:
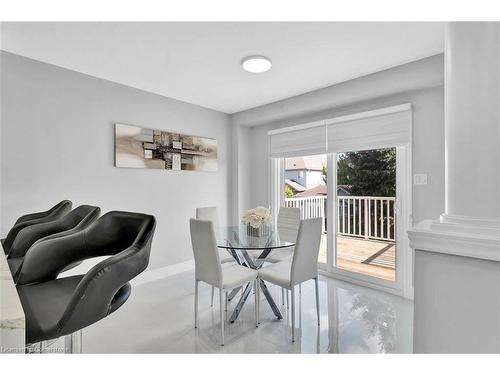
(381, 128)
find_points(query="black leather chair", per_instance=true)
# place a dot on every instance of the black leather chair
(54, 213)
(57, 307)
(78, 219)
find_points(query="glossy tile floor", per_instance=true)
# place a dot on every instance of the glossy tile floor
(158, 318)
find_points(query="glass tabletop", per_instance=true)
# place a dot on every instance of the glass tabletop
(237, 238)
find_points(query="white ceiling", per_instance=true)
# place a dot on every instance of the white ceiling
(200, 62)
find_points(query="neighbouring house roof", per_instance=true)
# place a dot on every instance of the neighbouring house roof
(321, 190)
(344, 189)
(317, 190)
(309, 163)
(295, 186)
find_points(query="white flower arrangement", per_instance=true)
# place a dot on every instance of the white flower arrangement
(256, 217)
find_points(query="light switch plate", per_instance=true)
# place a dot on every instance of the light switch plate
(420, 179)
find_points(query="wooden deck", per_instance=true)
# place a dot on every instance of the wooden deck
(368, 257)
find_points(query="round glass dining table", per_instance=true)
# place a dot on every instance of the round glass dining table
(251, 251)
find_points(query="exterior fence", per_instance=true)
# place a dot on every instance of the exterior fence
(358, 216)
(310, 207)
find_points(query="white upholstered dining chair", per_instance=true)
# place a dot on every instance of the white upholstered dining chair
(210, 213)
(288, 227)
(208, 269)
(303, 267)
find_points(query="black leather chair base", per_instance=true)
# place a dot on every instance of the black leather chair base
(120, 298)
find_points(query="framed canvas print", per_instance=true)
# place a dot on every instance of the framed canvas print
(137, 147)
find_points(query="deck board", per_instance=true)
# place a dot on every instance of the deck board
(360, 255)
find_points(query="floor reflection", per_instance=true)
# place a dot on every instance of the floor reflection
(367, 321)
(353, 320)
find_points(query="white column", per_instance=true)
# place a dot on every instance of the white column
(472, 120)
(457, 257)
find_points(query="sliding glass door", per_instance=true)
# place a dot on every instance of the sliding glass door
(366, 213)
(305, 187)
(358, 195)
(363, 207)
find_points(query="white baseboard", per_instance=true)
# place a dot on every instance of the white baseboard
(163, 272)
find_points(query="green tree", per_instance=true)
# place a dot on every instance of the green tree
(371, 173)
(344, 170)
(288, 192)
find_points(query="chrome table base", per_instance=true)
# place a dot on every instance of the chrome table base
(255, 264)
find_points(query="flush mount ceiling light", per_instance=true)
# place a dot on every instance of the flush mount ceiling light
(256, 64)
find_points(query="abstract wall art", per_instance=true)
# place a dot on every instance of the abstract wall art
(137, 147)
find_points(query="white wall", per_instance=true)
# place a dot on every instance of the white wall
(58, 143)
(457, 304)
(350, 97)
(246, 164)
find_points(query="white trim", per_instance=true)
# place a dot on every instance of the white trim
(404, 195)
(277, 186)
(433, 236)
(470, 224)
(161, 273)
(331, 214)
